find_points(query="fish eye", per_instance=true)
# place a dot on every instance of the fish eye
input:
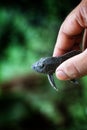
(41, 65)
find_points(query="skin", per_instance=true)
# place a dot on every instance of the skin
(73, 35)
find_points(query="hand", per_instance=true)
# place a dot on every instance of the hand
(69, 38)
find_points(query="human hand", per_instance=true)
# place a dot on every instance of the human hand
(69, 38)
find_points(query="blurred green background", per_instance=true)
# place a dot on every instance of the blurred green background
(28, 31)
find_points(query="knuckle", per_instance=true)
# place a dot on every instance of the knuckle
(82, 14)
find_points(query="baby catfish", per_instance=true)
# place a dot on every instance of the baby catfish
(48, 65)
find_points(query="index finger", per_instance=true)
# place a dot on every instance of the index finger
(70, 32)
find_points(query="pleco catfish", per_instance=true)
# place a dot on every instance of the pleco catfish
(48, 65)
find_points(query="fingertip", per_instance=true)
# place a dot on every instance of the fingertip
(58, 51)
(60, 74)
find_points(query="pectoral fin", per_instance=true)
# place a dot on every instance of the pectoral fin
(74, 81)
(51, 80)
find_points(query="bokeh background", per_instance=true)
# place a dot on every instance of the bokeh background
(28, 31)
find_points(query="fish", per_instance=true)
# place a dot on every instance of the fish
(48, 65)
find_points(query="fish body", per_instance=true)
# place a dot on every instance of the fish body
(48, 65)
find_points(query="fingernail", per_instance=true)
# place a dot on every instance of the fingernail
(61, 75)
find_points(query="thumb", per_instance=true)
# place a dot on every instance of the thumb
(74, 67)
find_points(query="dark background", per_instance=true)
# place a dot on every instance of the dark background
(28, 31)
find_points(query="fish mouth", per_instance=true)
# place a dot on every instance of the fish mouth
(33, 67)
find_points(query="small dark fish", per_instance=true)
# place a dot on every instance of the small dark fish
(48, 65)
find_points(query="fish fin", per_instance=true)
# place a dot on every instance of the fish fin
(74, 81)
(51, 80)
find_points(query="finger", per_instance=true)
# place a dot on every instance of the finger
(73, 68)
(71, 29)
